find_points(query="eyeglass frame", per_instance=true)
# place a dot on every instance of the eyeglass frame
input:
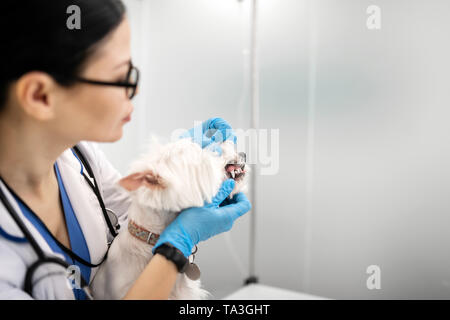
(116, 84)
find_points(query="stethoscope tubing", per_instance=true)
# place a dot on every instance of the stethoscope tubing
(42, 258)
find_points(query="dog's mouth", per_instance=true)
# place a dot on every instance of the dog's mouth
(235, 169)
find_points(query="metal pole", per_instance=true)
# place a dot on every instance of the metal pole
(254, 85)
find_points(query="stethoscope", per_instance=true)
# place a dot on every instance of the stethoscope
(111, 221)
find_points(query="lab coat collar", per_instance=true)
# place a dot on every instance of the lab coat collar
(85, 205)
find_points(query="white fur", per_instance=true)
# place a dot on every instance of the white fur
(191, 176)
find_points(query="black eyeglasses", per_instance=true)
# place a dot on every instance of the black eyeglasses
(131, 82)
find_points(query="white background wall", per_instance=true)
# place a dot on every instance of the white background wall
(364, 138)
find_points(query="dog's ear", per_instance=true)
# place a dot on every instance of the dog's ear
(145, 178)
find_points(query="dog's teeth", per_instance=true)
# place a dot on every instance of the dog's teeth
(232, 174)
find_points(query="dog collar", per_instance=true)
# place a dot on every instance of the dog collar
(142, 234)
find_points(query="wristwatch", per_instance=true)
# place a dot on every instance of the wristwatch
(173, 254)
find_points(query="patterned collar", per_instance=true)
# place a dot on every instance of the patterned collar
(142, 234)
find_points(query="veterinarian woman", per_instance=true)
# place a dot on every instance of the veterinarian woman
(59, 87)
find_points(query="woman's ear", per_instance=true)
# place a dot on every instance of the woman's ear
(34, 92)
(144, 178)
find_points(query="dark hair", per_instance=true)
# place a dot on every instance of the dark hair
(35, 37)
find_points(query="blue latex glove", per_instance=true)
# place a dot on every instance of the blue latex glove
(210, 133)
(197, 224)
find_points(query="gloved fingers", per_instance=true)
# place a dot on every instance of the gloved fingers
(217, 123)
(217, 136)
(201, 132)
(221, 135)
(229, 201)
(225, 202)
(212, 130)
(214, 141)
(223, 130)
(241, 206)
(223, 193)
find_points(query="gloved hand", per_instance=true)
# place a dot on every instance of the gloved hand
(197, 224)
(210, 133)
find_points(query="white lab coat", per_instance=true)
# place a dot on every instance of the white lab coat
(15, 257)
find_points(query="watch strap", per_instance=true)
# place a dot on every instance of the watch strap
(173, 254)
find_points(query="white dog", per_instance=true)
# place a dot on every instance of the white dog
(168, 179)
